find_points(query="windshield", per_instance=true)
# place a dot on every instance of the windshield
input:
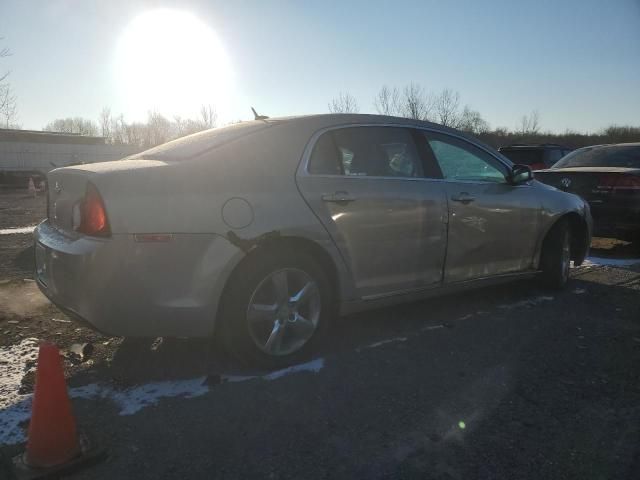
(198, 143)
(602, 156)
(524, 157)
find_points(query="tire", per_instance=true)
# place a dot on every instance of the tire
(555, 261)
(254, 302)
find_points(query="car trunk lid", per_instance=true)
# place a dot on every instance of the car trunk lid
(67, 188)
(595, 184)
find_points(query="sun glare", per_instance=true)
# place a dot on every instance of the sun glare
(170, 61)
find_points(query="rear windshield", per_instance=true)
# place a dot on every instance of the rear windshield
(613, 156)
(524, 157)
(198, 143)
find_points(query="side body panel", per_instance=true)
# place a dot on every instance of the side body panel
(494, 234)
(392, 234)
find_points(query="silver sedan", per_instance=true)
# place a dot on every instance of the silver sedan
(262, 232)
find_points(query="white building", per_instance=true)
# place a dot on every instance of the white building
(25, 153)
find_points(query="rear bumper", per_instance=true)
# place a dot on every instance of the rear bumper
(125, 288)
(616, 221)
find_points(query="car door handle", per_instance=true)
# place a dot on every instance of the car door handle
(463, 197)
(338, 197)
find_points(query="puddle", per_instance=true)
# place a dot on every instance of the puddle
(21, 230)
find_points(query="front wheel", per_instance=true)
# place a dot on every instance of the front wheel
(277, 308)
(556, 256)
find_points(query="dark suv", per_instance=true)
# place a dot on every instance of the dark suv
(537, 157)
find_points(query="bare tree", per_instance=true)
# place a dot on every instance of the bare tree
(387, 101)
(472, 122)
(118, 127)
(4, 52)
(447, 108)
(415, 102)
(75, 125)
(135, 134)
(343, 103)
(8, 106)
(530, 125)
(106, 124)
(209, 116)
(158, 129)
(8, 101)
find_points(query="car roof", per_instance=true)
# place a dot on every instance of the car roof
(608, 145)
(337, 119)
(518, 146)
(328, 120)
(303, 126)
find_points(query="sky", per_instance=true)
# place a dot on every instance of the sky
(577, 62)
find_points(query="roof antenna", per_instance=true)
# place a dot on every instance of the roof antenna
(256, 116)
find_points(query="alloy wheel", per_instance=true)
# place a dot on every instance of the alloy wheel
(284, 311)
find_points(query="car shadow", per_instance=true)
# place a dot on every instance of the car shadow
(137, 361)
(142, 360)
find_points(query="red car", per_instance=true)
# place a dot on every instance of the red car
(537, 157)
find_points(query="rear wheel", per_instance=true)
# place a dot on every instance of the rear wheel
(276, 310)
(556, 256)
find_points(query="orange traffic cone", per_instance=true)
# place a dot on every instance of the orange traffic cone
(52, 438)
(53, 444)
(32, 187)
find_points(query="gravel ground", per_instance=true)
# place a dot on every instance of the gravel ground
(506, 382)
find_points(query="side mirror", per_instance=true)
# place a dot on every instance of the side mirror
(521, 174)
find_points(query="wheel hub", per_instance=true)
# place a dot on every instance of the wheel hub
(284, 311)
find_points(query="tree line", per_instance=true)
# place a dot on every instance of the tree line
(414, 101)
(157, 129)
(445, 107)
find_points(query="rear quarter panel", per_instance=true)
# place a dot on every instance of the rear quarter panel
(189, 196)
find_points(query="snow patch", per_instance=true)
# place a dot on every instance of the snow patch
(611, 262)
(16, 409)
(12, 231)
(432, 327)
(579, 291)
(313, 366)
(530, 302)
(134, 399)
(383, 342)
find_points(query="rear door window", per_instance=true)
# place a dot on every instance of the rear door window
(367, 152)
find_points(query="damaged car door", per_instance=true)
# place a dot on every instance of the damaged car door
(367, 186)
(493, 223)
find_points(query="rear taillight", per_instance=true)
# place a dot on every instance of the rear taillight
(607, 181)
(618, 182)
(90, 216)
(628, 182)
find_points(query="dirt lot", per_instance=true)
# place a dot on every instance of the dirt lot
(506, 382)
